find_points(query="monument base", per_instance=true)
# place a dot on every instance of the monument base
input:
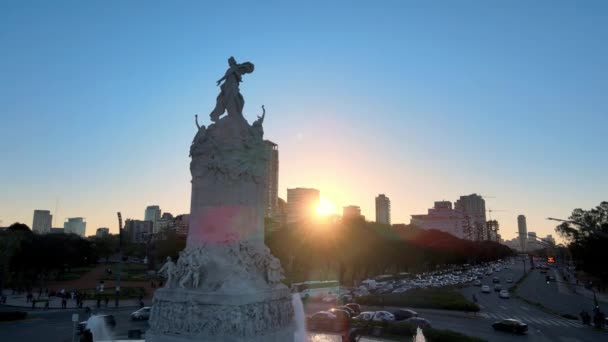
(181, 315)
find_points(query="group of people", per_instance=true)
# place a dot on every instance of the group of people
(599, 318)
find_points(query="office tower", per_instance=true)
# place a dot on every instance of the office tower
(301, 204)
(153, 215)
(522, 229)
(42, 221)
(75, 225)
(383, 209)
(473, 208)
(271, 195)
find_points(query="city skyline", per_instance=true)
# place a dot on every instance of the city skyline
(353, 113)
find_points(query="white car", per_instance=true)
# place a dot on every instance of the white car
(504, 294)
(485, 289)
(509, 280)
(375, 316)
(141, 314)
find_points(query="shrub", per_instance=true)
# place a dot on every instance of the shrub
(12, 315)
(441, 335)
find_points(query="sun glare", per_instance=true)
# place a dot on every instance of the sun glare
(325, 207)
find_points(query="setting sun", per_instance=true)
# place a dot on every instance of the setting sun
(325, 207)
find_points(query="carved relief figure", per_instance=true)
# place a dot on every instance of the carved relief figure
(169, 269)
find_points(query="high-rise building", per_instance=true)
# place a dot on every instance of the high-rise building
(549, 239)
(473, 207)
(153, 215)
(138, 231)
(271, 195)
(42, 221)
(442, 217)
(301, 204)
(492, 231)
(352, 212)
(383, 209)
(102, 231)
(522, 230)
(75, 225)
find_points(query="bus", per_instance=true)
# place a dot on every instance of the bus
(317, 288)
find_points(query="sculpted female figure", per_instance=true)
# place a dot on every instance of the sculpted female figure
(230, 99)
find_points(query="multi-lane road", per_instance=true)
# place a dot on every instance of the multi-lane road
(56, 325)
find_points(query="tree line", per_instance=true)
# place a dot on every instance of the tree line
(351, 251)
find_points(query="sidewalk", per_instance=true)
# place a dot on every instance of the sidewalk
(55, 302)
(581, 290)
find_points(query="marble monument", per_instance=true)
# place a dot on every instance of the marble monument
(226, 284)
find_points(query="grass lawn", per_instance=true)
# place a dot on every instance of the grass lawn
(130, 272)
(434, 298)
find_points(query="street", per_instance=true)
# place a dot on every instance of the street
(55, 325)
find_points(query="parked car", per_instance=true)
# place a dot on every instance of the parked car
(477, 283)
(141, 314)
(511, 325)
(383, 316)
(355, 307)
(341, 314)
(419, 322)
(365, 316)
(504, 294)
(485, 289)
(323, 320)
(402, 314)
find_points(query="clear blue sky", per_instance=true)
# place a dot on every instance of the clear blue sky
(421, 100)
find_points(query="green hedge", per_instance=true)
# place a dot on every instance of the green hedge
(12, 315)
(446, 299)
(441, 335)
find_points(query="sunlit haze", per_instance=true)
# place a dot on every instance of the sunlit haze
(418, 101)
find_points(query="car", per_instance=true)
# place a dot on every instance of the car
(141, 314)
(340, 314)
(402, 314)
(504, 294)
(325, 321)
(477, 283)
(485, 289)
(383, 316)
(355, 307)
(509, 280)
(497, 288)
(350, 311)
(419, 322)
(495, 280)
(365, 316)
(511, 325)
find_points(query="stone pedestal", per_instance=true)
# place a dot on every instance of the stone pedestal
(184, 315)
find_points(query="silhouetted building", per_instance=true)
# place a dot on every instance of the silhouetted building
(441, 217)
(153, 214)
(102, 231)
(138, 231)
(75, 225)
(301, 204)
(43, 221)
(473, 208)
(549, 239)
(492, 231)
(57, 230)
(271, 195)
(522, 229)
(383, 209)
(352, 212)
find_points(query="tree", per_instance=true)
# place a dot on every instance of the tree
(587, 234)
